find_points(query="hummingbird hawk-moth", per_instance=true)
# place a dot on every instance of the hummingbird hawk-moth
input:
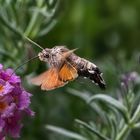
(65, 66)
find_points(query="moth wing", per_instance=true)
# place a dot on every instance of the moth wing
(67, 72)
(48, 80)
(67, 53)
(39, 79)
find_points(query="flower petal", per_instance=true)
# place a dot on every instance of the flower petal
(24, 100)
(9, 111)
(14, 101)
(2, 124)
(5, 88)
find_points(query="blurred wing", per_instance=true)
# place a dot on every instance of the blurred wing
(39, 79)
(67, 53)
(67, 72)
(48, 80)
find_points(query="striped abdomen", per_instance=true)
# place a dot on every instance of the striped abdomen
(87, 69)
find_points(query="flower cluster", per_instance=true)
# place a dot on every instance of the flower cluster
(129, 79)
(14, 103)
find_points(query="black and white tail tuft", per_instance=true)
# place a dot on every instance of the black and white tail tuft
(95, 75)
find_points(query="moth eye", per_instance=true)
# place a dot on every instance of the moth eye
(47, 56)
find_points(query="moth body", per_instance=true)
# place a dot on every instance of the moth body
(65, 66)
(87, 69)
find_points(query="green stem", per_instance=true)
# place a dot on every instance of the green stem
(33, 22)
(128, 127)
(124, 132)
(136, 115)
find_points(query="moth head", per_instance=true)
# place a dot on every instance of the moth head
(45, 55)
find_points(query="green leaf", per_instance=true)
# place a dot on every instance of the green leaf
(6, 54)
(136, 114)
(48, 27)
(96, 132)
(7, 24)
(109, 101)
(65, 132)
(113, 126)
(84, 96)
(137, 125)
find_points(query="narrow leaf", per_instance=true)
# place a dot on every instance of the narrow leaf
(109, 101)
(65, 132)
(84, 96)
(96, 132)
(113, 127)
(137, 125)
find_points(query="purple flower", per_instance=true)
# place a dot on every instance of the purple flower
(5, 87)
(1, 67)
(14, 103)
(129, 79)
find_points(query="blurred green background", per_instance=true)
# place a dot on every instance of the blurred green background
(107, 32)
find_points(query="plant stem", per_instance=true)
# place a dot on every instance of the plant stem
(128, 127)
(136, 115)
(124, 132)
(33, 22)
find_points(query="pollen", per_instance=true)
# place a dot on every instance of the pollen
(3, 106)
(1, 88)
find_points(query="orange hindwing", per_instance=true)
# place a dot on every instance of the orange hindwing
(67, 72)
(48, 80)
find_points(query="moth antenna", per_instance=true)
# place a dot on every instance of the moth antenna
(23, 64)
(33, 42)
